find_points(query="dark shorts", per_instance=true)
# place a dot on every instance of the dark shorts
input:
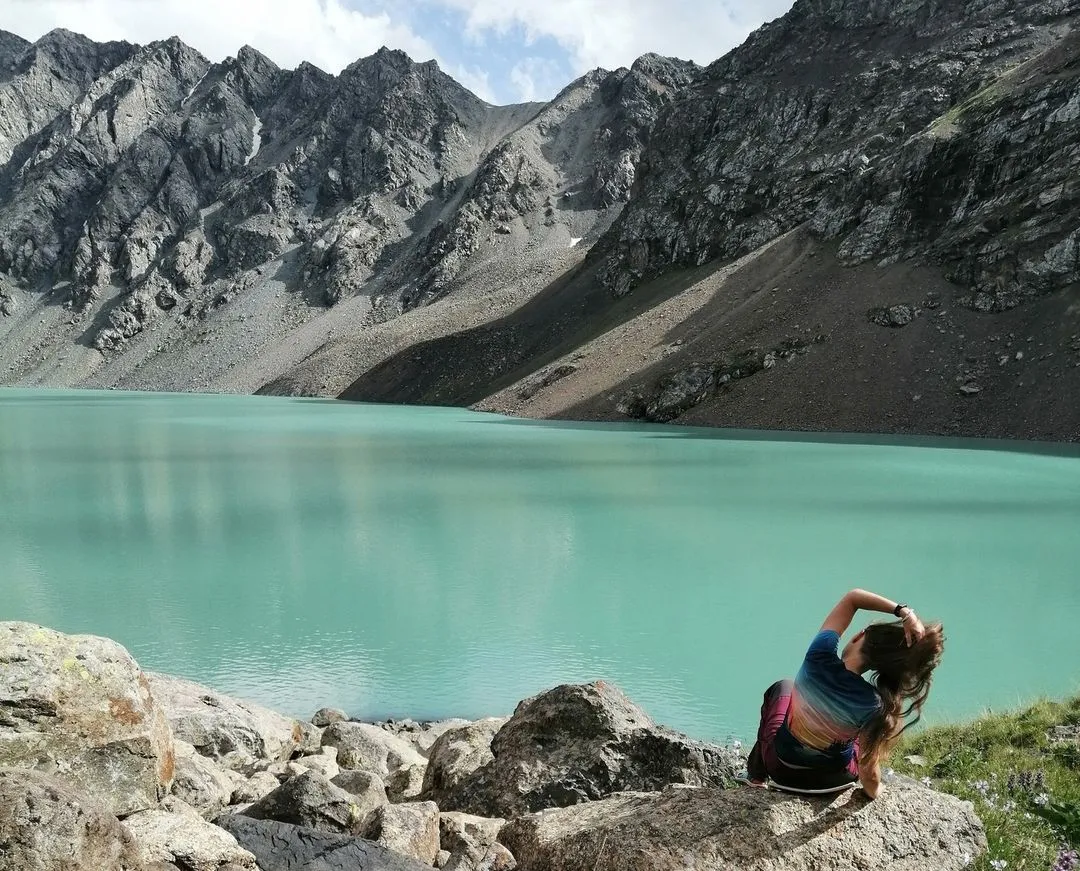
(763, 762)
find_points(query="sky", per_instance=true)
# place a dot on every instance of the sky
(503, 50)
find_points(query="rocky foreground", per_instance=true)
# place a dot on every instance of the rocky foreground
(106, 767)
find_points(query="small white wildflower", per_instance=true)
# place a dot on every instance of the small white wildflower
(927, 782)
(1042, 799)
(999, 864)
(1009, 806)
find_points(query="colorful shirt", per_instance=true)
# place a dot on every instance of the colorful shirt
(830, 705)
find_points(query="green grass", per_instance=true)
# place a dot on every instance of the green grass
(975, 761)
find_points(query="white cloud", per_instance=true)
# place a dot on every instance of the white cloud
(536, 78)
(325, 32)
(475, 79)
(612, 34)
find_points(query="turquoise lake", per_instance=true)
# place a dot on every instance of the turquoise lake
(435, 562)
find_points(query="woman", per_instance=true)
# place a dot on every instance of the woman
(831, 727)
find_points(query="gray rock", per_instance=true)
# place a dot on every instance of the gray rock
(260, 784)
(421, 735)
(284, 847)
(411, 829)
(581, 743)
(200, 782)
(677, 392)
(893, 316)
(472, 843)
(187, 841)
(78, 707)
(323, 763)
(406, 783)
(312, 801)
(366, 789)
(457, 753)
(325, 716)
(1064, 734)
(233, 732)
(366, 747)
(495, 858)
(906, 829)
(460, 832)
(310, 739)
(47, 825)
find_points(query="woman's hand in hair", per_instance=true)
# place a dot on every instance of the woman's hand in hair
(913, 627)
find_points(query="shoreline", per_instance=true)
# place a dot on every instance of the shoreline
(1069, 448)
(178, 776)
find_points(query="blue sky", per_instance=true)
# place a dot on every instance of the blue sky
(504, 50)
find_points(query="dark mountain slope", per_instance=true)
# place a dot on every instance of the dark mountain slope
(935, 133)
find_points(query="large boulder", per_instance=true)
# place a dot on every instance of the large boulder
(187, 841)
(908, 828)
(421, 735)
(310, 739)
(367, 789)
(234, 733)
(582, 743)
(284, 847)
(457, 754)
(325, 716)
(366, 747)
(201, 783)
(48, 825)
(472, 843)
(324, 763)
(406, 784)
(260, 784)
(411, 829)
(312, 801)
(78, 706)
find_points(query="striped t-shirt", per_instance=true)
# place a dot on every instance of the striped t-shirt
(830, 705)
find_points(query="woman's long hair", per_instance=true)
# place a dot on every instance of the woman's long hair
(902, 676)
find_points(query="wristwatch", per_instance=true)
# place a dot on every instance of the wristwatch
(900, 608)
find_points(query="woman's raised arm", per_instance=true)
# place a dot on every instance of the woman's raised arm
(843, 613)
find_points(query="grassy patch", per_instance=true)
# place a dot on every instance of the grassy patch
(1015, 773)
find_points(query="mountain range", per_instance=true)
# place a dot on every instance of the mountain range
(865, 218)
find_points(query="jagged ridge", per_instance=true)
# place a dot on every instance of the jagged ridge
(154, 188)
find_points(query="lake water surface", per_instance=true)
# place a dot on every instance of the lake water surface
(432, 562)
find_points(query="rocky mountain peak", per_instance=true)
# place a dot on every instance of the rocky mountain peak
(252, 75)
(254, 61)
(75, 56)
(12, 47)
(384, 66)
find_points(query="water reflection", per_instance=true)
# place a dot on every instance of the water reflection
(430, 562)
